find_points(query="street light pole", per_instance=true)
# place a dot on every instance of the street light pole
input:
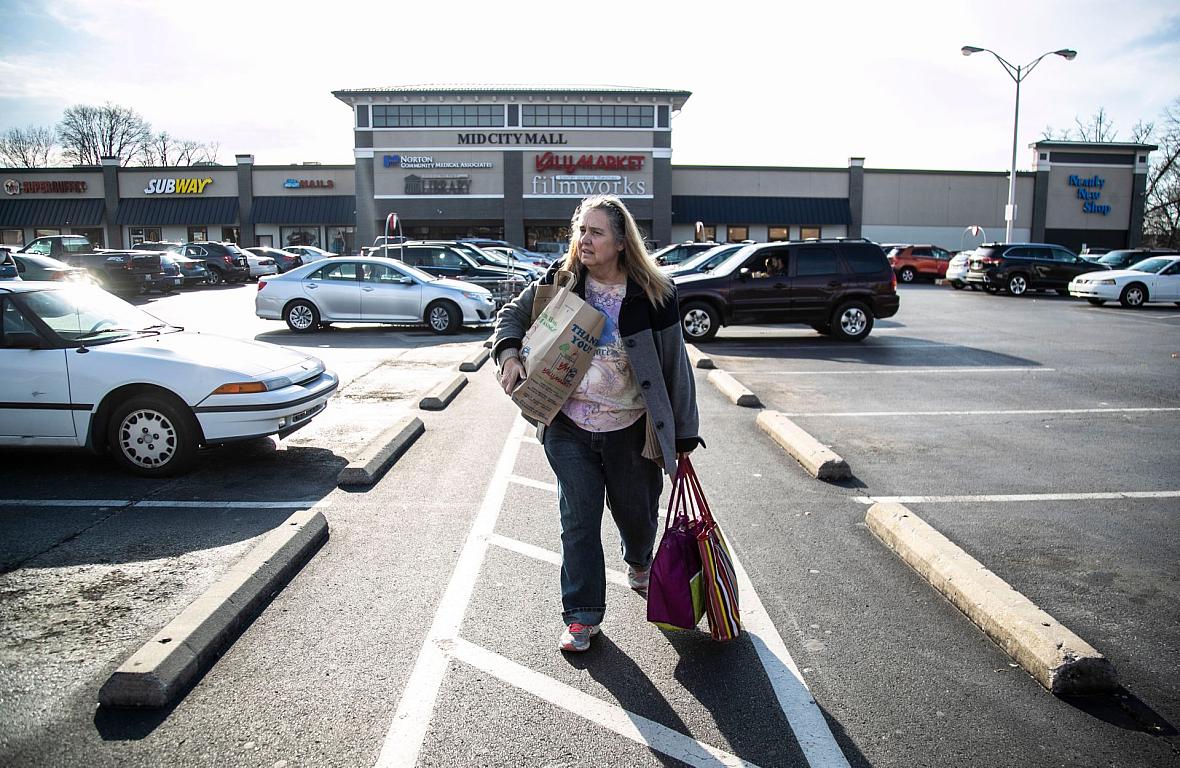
(1017, 73)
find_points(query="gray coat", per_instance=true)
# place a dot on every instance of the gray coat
(655, 348)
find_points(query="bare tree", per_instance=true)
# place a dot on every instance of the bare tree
(88, 133)
(1161, 214)
(1099, 129)
(164, 149)
(29, 147)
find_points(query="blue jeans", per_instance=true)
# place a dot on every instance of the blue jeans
(591, 467)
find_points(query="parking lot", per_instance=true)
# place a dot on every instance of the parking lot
(1037, 433)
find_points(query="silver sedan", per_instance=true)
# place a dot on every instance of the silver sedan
(371, 290)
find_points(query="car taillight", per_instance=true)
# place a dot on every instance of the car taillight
(893, 280)
(261, 284)
(60, 274)
(228, 260)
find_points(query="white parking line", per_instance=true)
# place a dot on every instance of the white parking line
(1018, 497)
(610, 716)
(1012, 412)
(529, 482)
(403, 741)
(547, 556)
(163, 504)
(876, 371)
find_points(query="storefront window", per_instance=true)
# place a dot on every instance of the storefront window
(93, 234)
(12, 237)
(198, 234)
(304, 234)
(775, 234)
(738, 233)
(144, 235)
(808, 233)
(342, 240)
(231, 235)
(547, 239)
(46, 232)
(266, 241)
(708, 233)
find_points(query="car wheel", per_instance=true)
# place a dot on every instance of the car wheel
(699, 321)
(152, 435)
(852, 322)
(215, 277)
(443, 317)
(1017, 284)
(1097, 302)
(1133, 296)
(957, 285)
(821, 329)
(301, 316)
(907, 275)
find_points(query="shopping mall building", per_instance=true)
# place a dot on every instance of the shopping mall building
(511, 162)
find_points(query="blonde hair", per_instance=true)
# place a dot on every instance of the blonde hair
(633, 259)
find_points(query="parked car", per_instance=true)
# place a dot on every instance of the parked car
(118, 271)
(449, 261)
(518, 254)
(913, 261)
(32, 267)
(1093, 254)
(284, 260)
(1020, 267)
(1154, 279)
(192, 271)
(956, 270)
(705, 261)
(488, 258)
(260, 266)
(8, 269)
(679, 252)
(170, 279)
(163, 246)
(225, 262)
(309, 253)
(371, 290)
(1123, 258)
(836, 286)
(147, 392)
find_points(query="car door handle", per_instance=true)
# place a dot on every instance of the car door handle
(311, 286)
(367, 289)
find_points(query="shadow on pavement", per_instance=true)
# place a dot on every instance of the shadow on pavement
(1123, 709)
(907, 352)
(371, 336)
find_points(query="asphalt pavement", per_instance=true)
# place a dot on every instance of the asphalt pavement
(424, 630)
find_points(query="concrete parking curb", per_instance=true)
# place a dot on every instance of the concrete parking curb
(699, 359)
(819, 460)
(475, 361)
(489, 341)
(441, 396)
(166, 664)
(1059, 660)
(734, 390)
(380, 454)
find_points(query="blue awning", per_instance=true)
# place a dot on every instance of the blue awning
(191, 211)
(311, 209)
(51, 213)
(780, 211)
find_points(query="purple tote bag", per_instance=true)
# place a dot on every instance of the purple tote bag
(675, 597)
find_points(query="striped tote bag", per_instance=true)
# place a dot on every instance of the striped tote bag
(719, 579)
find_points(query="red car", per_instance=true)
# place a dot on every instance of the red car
(910, 262)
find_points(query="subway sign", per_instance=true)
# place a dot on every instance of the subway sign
(187, 186)
(1089, 189)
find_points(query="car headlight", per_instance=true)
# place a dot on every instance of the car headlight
(1105, 282)
(473, 295)
(252, 387)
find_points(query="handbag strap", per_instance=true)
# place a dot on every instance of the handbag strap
(705, 514)
(679, 501)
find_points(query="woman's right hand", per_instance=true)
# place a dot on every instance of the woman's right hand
(510, 374)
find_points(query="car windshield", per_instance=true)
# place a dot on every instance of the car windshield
(707, 260)
(1114, 257)
(1153, 265)
(89, 314)
(401, 266)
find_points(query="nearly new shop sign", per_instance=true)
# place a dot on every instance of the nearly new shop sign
(1090, 190)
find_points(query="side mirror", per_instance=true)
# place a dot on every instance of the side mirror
(464, 268)
(744, 272)
(22, 340)
(406, 280)
(8, 272)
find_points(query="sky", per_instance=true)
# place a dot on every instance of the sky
(772, 83)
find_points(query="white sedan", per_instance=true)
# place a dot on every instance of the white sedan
(309, 253)
(261, 266)
(1153, 279)
(371, 290)
(83, 368)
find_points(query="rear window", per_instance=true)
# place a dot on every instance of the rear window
(75, 244)
(986, 252)
(865, 260)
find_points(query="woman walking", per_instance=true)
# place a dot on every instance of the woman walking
(632, 415)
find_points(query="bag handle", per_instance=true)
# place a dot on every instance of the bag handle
(693, 483)
(678, 502)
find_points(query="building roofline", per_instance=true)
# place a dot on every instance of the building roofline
(1092, 145)
(350, 95)
(843, 169)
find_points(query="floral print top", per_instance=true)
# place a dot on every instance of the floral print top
(608, 397)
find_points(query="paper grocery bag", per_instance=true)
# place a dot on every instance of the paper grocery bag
(557, 350)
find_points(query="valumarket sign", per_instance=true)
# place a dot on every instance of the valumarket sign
(187, 186)
(571, 163)
(1090, 190)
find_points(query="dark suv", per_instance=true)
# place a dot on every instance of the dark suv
(449, 260)
(226, 262)
(836, 286)
(1123, 258)
(1020, 267)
